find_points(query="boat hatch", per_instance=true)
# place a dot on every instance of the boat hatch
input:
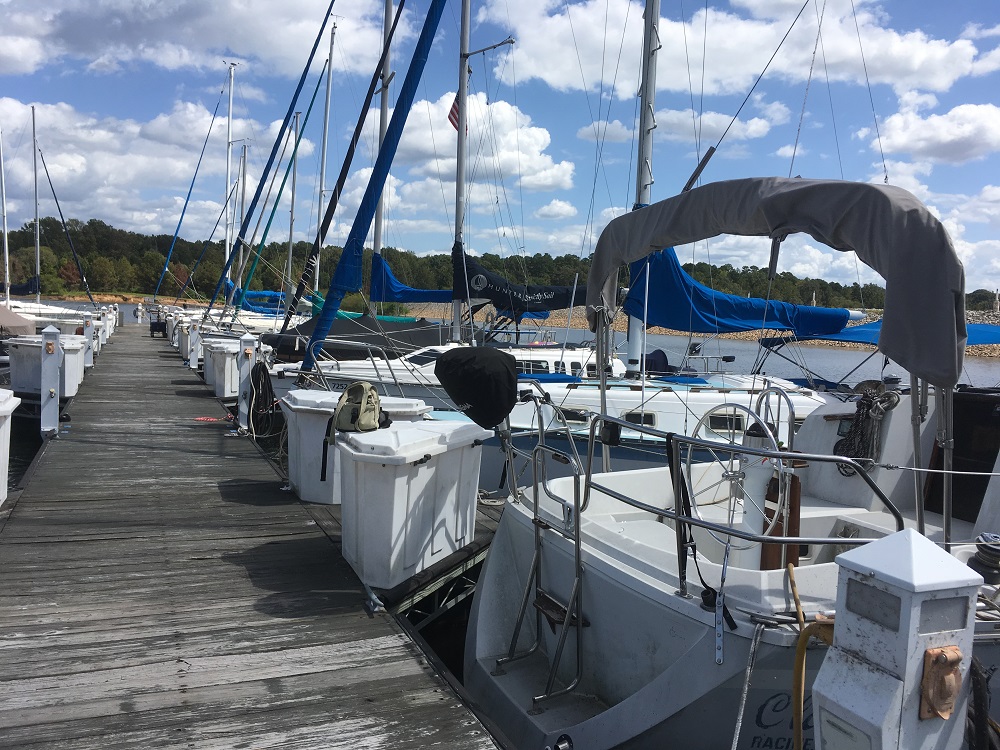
(725, 423)
(641, 417)
(423, 358)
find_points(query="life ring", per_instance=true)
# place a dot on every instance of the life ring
(135, 313)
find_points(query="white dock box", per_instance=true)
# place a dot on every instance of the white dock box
(8, 402)
(183, 328)
(307, 414)
(220, 358)
(408, 496)
(26, 364)
(208, 365)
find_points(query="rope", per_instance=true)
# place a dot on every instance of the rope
(754, 644)
(262, 400)
(799, 615)
(823, 631)
(864, 438)
(894, 467)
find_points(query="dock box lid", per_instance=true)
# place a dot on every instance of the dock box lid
(8, 402)
(405, 442)
(217, 343)
(302, 399)
(398, 407)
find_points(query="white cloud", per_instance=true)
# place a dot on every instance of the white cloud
(978, 31)
(503, 146)
(679, 126)
(964, 133)
(556, 209)
(790, 150)
(607, 132)
(110, 35)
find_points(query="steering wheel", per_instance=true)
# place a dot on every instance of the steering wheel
(723, 477)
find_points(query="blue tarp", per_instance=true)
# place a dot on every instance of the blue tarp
(680, 303)
(387, 288)
(549, 377)
(868, 333)
(510, 315)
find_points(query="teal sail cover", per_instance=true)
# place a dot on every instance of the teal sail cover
(678, 302)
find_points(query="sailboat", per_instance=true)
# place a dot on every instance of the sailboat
(40, 314)
(588, 628)
(667, 398)
(386, 355)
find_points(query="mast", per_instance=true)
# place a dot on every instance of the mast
(291, 209)
(383, 121)
(38, 236)
(462, 127)
(322, 152)
(229, 169)
(3, 207)
(644, 169)
(243, 191)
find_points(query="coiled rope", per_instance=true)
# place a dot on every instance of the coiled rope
(262, 402)
(864, 438)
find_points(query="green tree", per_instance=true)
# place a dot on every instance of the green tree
(102, 276)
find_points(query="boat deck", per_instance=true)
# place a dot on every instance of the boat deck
(160, 589)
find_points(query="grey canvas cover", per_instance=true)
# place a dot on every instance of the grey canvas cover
(891, 231)
(13, 324)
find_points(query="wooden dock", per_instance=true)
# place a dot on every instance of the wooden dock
(160, 589)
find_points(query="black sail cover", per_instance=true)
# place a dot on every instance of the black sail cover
(481, 380)
(473, 282)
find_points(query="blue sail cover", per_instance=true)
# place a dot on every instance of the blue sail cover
(387, 288)
(680, 303)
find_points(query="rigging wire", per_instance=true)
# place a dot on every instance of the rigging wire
(204, 248)
(805, 96)
(187, 198)
(761, 76)
(69, 239)
(871, 97)
(833, 113)
(288, 168)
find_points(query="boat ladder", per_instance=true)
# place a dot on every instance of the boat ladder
(561, 615)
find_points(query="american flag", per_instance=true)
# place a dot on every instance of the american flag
(453, 114)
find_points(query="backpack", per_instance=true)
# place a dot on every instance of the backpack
(358, 409)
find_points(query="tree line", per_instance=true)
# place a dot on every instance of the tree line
(119, 261)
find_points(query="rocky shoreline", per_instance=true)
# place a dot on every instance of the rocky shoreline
(576, 318)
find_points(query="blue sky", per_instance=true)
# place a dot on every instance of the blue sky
(124, 94)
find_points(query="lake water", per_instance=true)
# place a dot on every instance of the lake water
(832, 363)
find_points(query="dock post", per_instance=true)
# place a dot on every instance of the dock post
(104, 326)
(247, 359)
(49, 394)
(88, 334)
(194, 345)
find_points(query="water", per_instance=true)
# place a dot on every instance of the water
(829, 362)
(25, 440)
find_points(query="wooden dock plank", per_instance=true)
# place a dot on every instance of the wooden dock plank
(162, 589)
